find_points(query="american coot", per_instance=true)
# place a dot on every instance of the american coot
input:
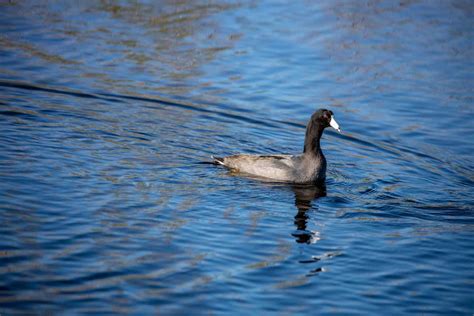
(308, 167)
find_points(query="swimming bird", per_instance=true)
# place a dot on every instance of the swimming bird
(308, 167)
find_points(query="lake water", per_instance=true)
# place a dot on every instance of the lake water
(109, 111)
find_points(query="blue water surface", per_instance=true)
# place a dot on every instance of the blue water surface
(110, 109)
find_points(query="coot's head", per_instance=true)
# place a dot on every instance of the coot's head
(325, 118)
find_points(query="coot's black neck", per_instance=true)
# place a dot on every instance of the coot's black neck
(314, 131)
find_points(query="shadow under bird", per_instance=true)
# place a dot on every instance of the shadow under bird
(306, 168)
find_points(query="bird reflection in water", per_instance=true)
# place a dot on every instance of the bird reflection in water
(304, 196)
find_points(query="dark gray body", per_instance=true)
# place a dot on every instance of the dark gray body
(282, 168)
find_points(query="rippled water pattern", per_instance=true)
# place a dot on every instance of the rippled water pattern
(110, 109)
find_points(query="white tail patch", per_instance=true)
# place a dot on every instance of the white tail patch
(218, 160)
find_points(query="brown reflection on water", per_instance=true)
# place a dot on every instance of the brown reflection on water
(169, 41)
